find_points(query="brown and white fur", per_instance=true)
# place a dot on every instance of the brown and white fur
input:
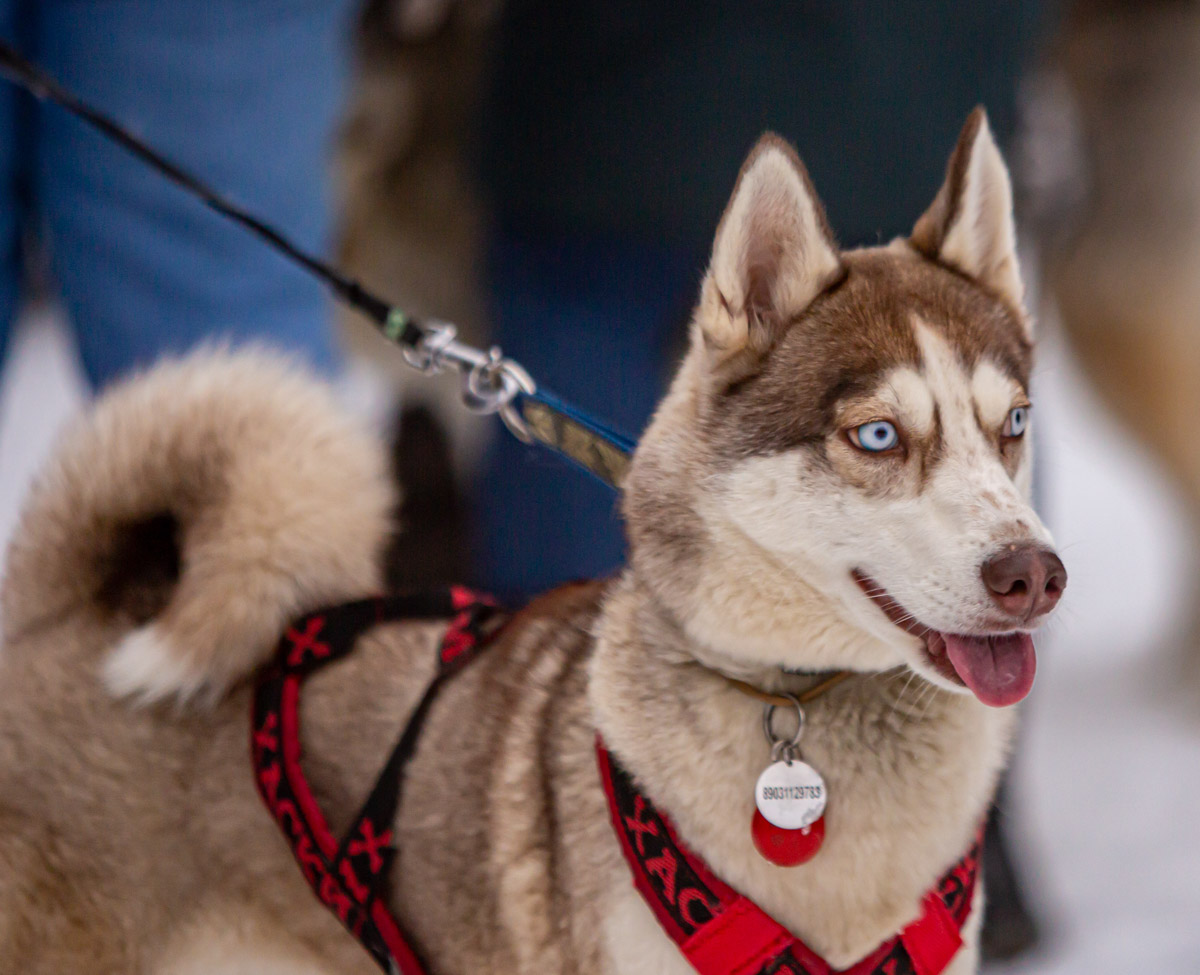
(199, 507)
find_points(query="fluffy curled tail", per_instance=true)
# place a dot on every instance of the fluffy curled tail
(191, 513)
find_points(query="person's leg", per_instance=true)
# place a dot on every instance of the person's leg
(591, 321)
(15, 111)
(246, 94)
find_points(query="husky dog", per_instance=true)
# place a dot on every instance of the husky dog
(837, 480)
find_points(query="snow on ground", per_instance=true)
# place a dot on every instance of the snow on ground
(41, 388)
(1107, 777)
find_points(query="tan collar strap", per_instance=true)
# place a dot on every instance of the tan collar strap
(786, 702)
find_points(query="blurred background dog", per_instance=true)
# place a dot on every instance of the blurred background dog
(1123, 267)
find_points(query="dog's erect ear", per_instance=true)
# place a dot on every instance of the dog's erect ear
(970, 224)
(773, 253)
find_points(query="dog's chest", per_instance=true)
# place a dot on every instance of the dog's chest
(633, 942)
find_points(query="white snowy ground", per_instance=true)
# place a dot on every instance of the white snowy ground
(1108, 775)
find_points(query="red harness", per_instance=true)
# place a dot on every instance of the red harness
(347, 875)
(719, 931)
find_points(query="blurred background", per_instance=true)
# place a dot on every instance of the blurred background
(548, 176)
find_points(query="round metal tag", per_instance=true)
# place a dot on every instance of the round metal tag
(790, 796)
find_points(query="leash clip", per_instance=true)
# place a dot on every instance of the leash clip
(493, 387)
(430, 352)
(491, 382)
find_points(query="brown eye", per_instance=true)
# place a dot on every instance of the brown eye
(1016, 422)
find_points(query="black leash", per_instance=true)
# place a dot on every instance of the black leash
(492, 383)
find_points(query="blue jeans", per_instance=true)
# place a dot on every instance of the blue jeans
(593, 320)
(246, 94)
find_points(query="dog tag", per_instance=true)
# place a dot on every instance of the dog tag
(787, 847)
(790, 795)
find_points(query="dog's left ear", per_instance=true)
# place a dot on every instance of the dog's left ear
(773, 254)
(970, 224)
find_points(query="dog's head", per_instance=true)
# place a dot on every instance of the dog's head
(840, 474)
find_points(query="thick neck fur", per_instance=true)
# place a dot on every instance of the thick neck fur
(910, 768)
(910, 771)
(743, 609)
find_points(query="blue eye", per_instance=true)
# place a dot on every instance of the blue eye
(875, 437)
(1018, 420)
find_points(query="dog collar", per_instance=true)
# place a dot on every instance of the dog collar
(786, 700)
(721, 932)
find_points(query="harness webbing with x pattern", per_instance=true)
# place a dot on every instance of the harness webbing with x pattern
(718, 930)
(721, 932)
(347, 875)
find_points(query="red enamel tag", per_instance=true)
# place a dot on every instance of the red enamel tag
(787, 847)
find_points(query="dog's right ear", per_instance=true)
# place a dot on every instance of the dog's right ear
(773, 254)
(969, 226)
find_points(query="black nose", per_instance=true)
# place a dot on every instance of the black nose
(1024, 580)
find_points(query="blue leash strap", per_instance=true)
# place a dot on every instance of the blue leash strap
(585, 441)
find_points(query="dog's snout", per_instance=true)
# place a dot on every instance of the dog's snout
(1025, 581)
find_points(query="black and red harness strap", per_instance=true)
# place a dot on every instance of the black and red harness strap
(718, 930)
(348, 875)
(723, 933)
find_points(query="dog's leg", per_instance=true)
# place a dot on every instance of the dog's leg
(636, 944)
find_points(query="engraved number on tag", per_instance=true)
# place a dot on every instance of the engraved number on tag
(790, 796)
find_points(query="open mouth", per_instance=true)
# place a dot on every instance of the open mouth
(998, 668)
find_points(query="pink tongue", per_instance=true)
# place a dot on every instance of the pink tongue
(999, 669)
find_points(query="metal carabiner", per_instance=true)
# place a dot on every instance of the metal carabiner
(493, 386)
(428, 355)
(491, 383)
(783, 747)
